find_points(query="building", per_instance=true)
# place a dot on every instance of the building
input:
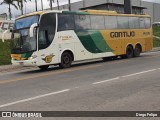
(3, 16)
(138, 7)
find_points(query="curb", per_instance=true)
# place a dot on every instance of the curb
(10, 68)
(155, 49)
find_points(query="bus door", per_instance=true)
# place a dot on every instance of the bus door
(47, 50)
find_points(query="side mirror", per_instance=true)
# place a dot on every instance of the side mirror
(3, 34)
(31, 30)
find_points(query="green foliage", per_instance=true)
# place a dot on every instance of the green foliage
(5, 53)
(156, 32)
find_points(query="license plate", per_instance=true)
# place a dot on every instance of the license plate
(21, 63)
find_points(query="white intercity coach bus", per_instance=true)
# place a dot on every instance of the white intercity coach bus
(60, 37)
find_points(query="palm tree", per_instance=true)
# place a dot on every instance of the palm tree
(9, 3)
(20, 4)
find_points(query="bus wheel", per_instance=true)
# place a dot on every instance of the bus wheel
(129, 52)
(137, 51)
(66, 60)
(45, 67)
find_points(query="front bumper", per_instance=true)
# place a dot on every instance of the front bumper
(32, 62)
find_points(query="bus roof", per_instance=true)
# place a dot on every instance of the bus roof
(97, 12)
(33, 13)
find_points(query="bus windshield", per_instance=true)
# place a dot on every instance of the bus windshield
(21, 40)
(26, 22)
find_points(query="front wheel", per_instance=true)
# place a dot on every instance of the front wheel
(66, 60)
(45, 67)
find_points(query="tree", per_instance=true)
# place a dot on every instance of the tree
(20, 4)
(9, 3)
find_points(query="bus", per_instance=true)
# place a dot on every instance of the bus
(6, 25)
(47, 38)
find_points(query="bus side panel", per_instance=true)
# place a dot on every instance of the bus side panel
(148, 40)
(95, 43)
(149, 44)
(116, 44)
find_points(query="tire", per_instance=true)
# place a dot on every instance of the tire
(137, 51)
(129, 52)
(66, 60)
(45, 67)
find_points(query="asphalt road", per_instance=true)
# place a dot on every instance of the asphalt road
(119, 85)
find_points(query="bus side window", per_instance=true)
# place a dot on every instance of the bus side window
(82, 22)
(147, 23)
(5, 26)
(47, 30)
(111, 22)
(142, 23)
(123, 22)
(97, 22)
(134, 23)
(65, 22)
(42, 38)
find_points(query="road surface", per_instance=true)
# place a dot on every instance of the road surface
(119, 85)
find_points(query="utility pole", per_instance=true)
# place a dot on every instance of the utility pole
(69, 3)
(58, 4)
(127, 7)
(22, 7)
(51, 4)
(42, 4)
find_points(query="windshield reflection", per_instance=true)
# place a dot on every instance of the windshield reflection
(22, 43)
(26, 22)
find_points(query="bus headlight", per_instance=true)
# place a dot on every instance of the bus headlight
(32, 57)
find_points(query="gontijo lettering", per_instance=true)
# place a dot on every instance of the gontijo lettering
(122, 34)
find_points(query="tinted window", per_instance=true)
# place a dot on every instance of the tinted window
(46, 30)
(147, 22)
(26, 22)
(97, 22)
(142, 23)
(65, 22)
(111, 22)
(133, 22)
(123, 22)
(82, 22)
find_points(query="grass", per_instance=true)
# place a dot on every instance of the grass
(5, 53)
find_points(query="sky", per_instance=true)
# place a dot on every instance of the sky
(155, 1)
(30, 6)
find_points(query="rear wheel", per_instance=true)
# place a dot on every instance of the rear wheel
(45, 67)
(129, 52)
(137, 51)
(66, 60)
